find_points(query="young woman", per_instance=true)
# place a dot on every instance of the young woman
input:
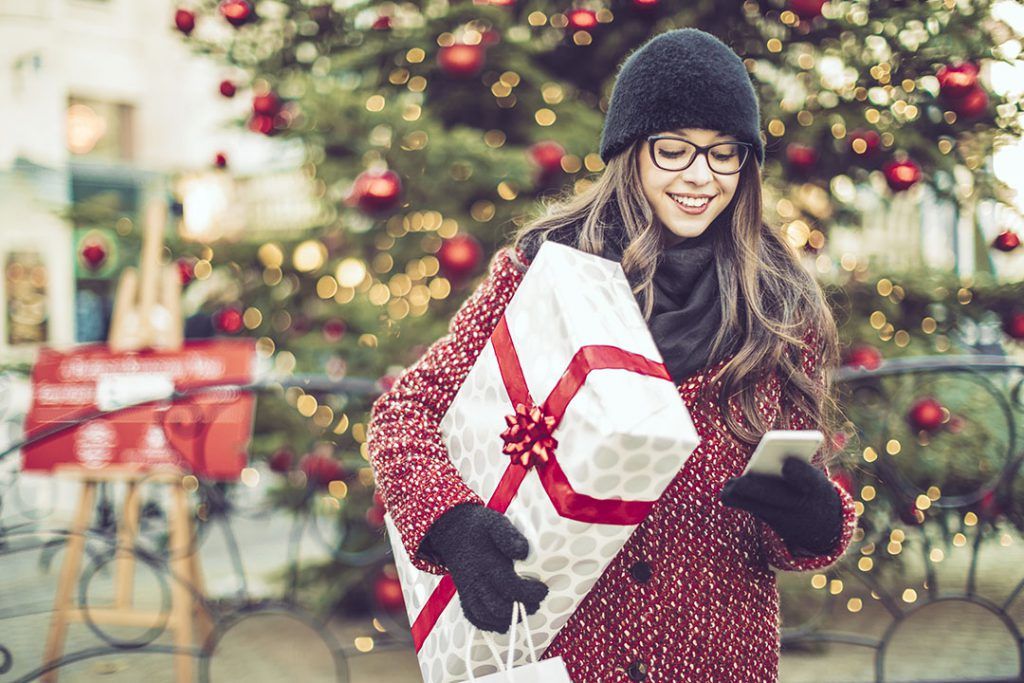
(744, 332)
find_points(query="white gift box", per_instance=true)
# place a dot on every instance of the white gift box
(573, 345)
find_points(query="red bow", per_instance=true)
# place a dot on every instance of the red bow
(528, 437)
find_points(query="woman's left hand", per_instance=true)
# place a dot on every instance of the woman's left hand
(802, 505)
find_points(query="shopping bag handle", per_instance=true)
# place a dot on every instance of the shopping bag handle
(518, 614)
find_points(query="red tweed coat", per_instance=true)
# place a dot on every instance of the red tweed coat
(690, 597)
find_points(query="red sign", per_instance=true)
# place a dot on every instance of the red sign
(77, 413)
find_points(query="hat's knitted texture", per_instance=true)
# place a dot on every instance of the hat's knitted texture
(683, 78)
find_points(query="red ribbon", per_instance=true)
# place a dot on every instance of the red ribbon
(567, 502)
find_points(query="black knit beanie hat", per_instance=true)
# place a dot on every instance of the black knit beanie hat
(684, 78)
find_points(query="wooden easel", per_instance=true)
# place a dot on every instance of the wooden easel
(147, 304)
(185, 581)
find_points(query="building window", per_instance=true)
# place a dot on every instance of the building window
(27, 317)
(100, 130)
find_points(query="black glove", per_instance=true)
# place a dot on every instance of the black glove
(802, 505)
(478, 546)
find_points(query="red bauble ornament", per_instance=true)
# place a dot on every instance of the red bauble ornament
(220, 160)
(957, 81)
(334, 329)
(186, 270)
(375, 513)
(863, 356)
(382, 23)
(871, 140)
(269, 115)
(459, 256)
(262, 124)
(385, 382)
(375, 517)
(94, 254)
(268, 104)
(185, 21)
(228, 320)
(281, 461)
(1013, 325)
(548, 156)
(376, 192)
(387, 592)
(806, 9)
(490, 37)
(801, 158)
(237, 12)
(1007, 241)
(972, 105)
(320, 470)
(926, 414)
(645, 5)
(582, 19)
(461, 60)
(902, 175)
(227, 88)
(961, 91)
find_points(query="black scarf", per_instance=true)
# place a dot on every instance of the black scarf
(687, 309)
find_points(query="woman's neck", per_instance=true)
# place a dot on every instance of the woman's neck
(673, 241)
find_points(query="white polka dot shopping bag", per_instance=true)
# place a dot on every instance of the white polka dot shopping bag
(551, 670)
(570, 425)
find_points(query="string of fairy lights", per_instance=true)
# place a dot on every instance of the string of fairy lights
(832, 130)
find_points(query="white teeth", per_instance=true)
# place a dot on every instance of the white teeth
(689, 201)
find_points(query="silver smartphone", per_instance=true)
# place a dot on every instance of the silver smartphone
(776, 444)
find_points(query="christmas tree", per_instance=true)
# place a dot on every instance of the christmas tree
(432, 130)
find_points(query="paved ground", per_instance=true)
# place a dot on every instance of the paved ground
(946, 641)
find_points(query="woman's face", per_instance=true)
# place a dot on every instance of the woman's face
(697, 181)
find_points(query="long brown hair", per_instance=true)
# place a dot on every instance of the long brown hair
(769, 300)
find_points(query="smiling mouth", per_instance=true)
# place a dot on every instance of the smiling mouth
(690, 202)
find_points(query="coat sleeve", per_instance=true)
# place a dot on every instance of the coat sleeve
(414, 476)
(777, 551)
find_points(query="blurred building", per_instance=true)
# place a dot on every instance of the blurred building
(103, 97)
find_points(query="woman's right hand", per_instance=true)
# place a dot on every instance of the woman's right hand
(479, 545)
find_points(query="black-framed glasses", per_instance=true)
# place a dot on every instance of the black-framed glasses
(673, 153)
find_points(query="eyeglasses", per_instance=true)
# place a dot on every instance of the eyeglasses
(672, 153)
